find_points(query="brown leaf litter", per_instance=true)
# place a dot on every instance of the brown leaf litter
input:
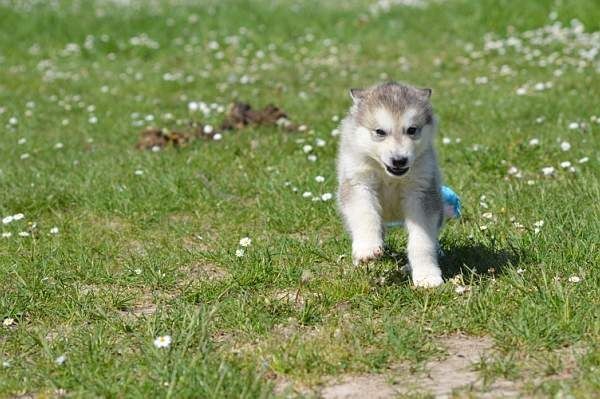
(153, 138)
(239, 116)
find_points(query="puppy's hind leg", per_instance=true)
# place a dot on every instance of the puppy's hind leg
(423, 227)
(360, 208)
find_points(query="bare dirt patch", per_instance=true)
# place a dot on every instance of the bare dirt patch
(440, 378)
(456, 370)
(146, 303)
(365, 386)
(206, 272)
(140, 310)
(136, 248)
(195, 244)
(58, 333)
(292, 297)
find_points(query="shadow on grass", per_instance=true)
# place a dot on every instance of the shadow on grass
(463, 259)
(476, 259)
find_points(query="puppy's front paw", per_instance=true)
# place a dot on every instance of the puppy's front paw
(365, 252)
(427, 277)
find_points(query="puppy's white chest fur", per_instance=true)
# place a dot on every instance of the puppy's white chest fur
(391, 197)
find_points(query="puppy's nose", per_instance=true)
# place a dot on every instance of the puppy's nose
(399, 162)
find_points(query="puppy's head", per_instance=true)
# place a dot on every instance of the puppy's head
(396, 124)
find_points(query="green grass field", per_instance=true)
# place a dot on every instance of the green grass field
(118, 246)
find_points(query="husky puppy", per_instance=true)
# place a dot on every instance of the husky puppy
(387, 171)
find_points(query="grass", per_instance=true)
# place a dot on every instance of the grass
(128, 265)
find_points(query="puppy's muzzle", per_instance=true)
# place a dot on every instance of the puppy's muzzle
(398, 166)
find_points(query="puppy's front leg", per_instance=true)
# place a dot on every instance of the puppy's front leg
(362, 213)
(423, 230)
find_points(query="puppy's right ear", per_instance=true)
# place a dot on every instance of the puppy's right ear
(357, 94)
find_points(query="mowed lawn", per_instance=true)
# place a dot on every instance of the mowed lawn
(105, 247)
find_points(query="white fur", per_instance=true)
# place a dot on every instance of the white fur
(385, 119)
(369, 196)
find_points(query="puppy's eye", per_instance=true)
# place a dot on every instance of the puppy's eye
(411, 131)
(380, 132)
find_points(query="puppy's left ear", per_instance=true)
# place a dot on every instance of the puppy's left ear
(357, 94)
(426, 92)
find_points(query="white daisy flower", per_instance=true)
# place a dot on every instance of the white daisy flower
(312, 158)
(6, 234)
(54, 230)
(320, 142)
(565, 146)
(208, 129)
(307, 148)
(61, 359)
(534, 141)
(573, 125)
(446, 140)
(319, 179)
(193, 106)
(583, 160)
(18, 216)
(7, 219)
(307, 194)
(326, 196)
(217, 136)
(24, 234)
(520, 271)
(565, 164)
(548, 171)
(461, 289)
(574, 279)
(162, 341)
(58, 146)
(9, 321)
(245, 242)
(239, 252)
(138, 172)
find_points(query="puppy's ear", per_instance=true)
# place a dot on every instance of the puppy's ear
(426, 92)
(357, 94)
